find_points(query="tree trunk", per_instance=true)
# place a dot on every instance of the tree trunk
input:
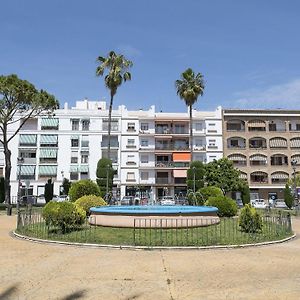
(191, 131)
(7, 154)
(109, 124)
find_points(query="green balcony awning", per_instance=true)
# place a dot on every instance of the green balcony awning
(74, 137)
(48, 153)
(50, 122)
(84, 168)
(26, 170)
(48, 170)
(28, 139)
(50, 139)
(74, 169)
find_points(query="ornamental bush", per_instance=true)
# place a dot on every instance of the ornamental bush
(88, 201)
(226, 206)
(250, 220)
(210, 191)
(65, 215)
(82, 188)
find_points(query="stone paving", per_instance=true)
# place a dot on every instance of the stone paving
(30, 270)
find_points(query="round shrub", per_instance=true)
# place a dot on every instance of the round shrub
(88, 201)
(64, 215)
(82, 188)
(250, 220)
(210, 191)
(227, 207)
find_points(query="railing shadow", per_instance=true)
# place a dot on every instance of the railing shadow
(9, 293)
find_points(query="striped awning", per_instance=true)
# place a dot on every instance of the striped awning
(256, 123)
(280, 175)
(259, 173)
(295, 143)
(48, 170)
(48, 153)
(258, 157)
(50, 122)
(28, 139)
(278, 143)
(27, 170)
(74, 169)
(49, 139)
(237, 157)
(179, 173)
(243, 175)
(84, 168)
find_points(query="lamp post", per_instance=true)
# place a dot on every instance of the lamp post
(294, 163)
(194, 179)
(62, 182)
(107, 169)
(20, 162)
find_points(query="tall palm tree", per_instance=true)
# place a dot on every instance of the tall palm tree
(189, 87)
(116, 66)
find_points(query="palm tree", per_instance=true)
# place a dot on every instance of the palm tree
(189, 87)
(117, 66)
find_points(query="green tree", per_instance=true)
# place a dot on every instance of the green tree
(288, 196)
(66, 186)
(2, 193)
(210, 191)
(117, 67)
(189, 87)
(221, 173)
(19, 102)
(245, 193)
(48, 190)
(105, 175)
(196, 169)
(83, 187)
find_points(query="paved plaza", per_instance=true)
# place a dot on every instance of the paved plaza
(41, 271)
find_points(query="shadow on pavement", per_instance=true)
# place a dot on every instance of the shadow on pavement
(75, 295)
(9, 293)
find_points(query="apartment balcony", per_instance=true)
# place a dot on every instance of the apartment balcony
(163, 164)
(172, 147)
(163, 180)
(171, 131)
(29, 160)
(112, 145)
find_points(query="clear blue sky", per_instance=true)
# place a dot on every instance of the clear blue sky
(248, 51)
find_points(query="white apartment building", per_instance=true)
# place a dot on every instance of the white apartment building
(149, 150)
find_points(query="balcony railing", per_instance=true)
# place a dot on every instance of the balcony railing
(161, 164)
(29, 160)
(171, 147)
(163, 180)
(171, 131)
(113, 128)
(112, 145)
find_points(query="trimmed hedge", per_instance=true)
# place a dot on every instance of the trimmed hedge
(82, 188)
(64, 215)
(227, 207)
(88, 201)
(250, 220)
(210, 191)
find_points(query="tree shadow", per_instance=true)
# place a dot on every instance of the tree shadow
(9, 292)
(75, 295)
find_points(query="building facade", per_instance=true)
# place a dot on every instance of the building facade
(149, 150)
(262, 145)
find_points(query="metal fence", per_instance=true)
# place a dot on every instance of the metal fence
(186, 233)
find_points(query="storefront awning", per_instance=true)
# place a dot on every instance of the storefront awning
(179, 173)
(183, 157)
(48, 170)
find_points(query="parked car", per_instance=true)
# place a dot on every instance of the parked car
(60, 198)
(239, 203)
(259, 203)
(167, 200)
(279, 203)
(127, 200)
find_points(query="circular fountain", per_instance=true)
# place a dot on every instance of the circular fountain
(154, 216)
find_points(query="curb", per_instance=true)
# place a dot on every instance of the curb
(128, 247)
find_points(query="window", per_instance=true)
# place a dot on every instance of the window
(130, 176)
(198, 143)
(84, 158)
(85, 141)
(73, 176)
(199, 127)
(213, 157)
(75, 124)
(130, 143)
(144, 159)
(74, 157)
(144, 143)
(144, 175)
(75, 142)
(130, 160)
(212, 142)
(211, 124)
(130, 127)
(85, 125)
(144, 126)
(114, 125)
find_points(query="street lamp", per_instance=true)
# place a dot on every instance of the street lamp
(62, 190)
(107, 169)
(294, 163)
(194, 181)
(20, 162)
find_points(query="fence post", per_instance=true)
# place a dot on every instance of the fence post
(289, 222)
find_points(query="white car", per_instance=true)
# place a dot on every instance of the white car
(167, 200)
(259, 203)
(280, 204)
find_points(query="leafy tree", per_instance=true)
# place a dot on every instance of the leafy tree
(189, 87)
(19, 102)
(196, 168)
(83, 187)
(226, 206)
(48, 191)
(221, 173)
(291, 181)
(117, 66)
(210, 191)
(66, 186)
(105, 175)
(2, 193)
(250, 220)
(288, 196)
(245, 193)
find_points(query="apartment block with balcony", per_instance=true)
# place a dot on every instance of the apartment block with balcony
(262, 144)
